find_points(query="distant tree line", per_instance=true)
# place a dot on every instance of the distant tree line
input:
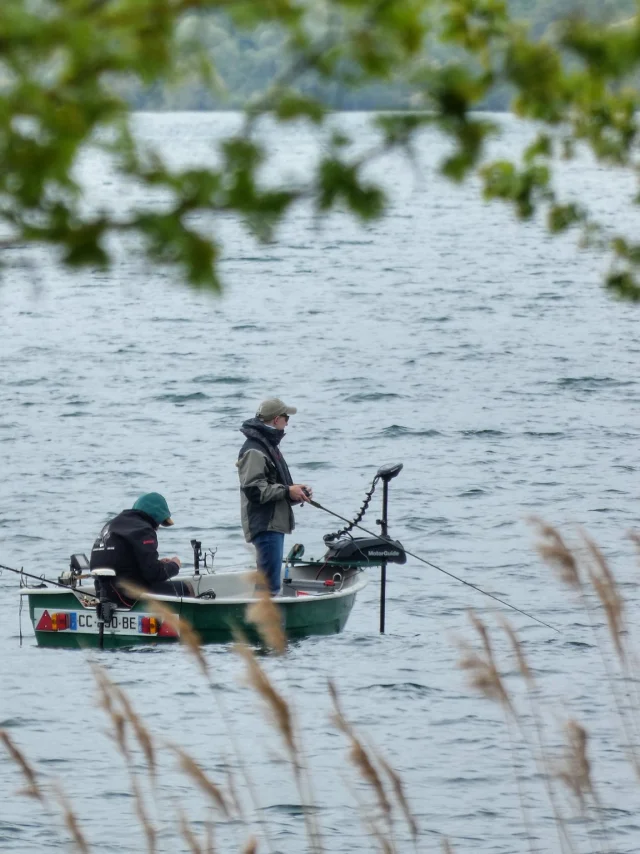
(247, 62)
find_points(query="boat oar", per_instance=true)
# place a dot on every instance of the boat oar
(439, 568)
(48, 581)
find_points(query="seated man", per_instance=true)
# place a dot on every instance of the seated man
(128, 544)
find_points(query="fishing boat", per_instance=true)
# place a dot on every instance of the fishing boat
(316, 599)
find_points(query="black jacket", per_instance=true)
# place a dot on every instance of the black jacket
(129, 545)
(264, 481)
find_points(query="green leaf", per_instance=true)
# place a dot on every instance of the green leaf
(292, 105)
(341, 182)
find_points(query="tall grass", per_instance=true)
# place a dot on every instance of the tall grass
(567, 775)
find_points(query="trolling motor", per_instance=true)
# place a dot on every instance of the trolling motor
(372, 550)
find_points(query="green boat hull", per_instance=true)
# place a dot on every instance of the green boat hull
(216, 621)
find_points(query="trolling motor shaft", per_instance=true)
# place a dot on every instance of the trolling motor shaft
(385, 473)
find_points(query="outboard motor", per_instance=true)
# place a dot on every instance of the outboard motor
(372, 550)
(105, 607)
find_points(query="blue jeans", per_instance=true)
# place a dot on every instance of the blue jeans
(270, 549)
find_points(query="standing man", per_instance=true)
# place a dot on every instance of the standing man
(267, 490)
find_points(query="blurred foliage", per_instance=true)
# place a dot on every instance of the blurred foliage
(71, 71)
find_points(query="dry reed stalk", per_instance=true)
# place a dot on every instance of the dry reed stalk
(398, 789)
(575, 773)
(541, 761)
(186, 633)
(446, 846)
(486, 679)
(71, 820)
(227, 720)
(251, 847)
(275, 702)
(112, 696)
(523, 664)
(232, 792)
(33, 790)
(191, 768)
(266, 616)
(142, 734)
(280, 712)
(359, 756)
(607, 591)
(370, 822)
(188, 835)
(526, 815)
(150, 832)
(107, 699)
(554, 551)
(283, 718)
(208, 845)
(483, 672)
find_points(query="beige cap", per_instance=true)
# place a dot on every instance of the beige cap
(272, 407)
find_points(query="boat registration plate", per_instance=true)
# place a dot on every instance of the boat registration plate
(86, 622)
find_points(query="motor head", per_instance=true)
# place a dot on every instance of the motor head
(389, 471)
(365, 551)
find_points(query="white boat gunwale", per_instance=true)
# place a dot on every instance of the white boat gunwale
(357, 585)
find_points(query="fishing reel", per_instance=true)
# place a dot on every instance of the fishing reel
(198, 556)
(78, 565)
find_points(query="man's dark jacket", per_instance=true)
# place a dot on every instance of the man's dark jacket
(129, 545)
(264, 481)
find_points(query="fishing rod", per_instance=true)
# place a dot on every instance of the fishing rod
(386, 476)
(48, 581)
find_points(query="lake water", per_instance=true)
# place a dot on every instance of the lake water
(480, 353)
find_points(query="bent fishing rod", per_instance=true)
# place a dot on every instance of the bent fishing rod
(41, 578)
(386, 473)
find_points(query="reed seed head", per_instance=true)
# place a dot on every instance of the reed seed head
(193, 770)
(575, 773)
(483, 672)
(33, 790)
(553, 550)
(523, 665)
(606, 588)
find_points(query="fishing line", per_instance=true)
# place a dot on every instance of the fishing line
(439, 568)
